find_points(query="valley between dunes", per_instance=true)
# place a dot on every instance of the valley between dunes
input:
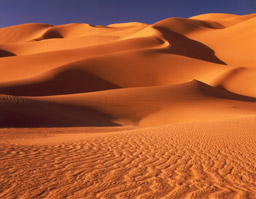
(129, 110)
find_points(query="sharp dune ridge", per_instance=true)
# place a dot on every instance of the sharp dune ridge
(129, 110)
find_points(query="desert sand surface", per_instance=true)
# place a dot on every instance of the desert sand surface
(129, 110)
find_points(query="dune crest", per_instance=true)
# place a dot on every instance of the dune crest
(129, 110)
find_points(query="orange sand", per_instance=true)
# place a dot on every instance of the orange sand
(129, 110)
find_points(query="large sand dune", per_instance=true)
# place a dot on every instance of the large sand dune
(129, 110)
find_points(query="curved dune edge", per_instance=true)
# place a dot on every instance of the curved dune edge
(129, 110)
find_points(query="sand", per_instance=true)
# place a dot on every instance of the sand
(129, 110)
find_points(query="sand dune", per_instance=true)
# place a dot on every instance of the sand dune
(145, 106)
(235, 44)
(129, 110)
(154, 68)
(22, 33)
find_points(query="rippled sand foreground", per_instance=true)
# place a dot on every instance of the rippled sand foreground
(194, 160)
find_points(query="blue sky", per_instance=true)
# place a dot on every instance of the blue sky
(103, 12)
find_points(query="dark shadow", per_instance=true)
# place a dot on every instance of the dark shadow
(66, 82)
(182, 45)
(221, 92)
(51, 34)
(5, 53)
(33, 113)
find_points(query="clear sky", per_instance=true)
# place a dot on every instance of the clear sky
(103, 12)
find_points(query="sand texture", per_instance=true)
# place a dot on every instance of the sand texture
(130, 110)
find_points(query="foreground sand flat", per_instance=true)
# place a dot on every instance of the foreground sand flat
(129, 110)
(193, 160)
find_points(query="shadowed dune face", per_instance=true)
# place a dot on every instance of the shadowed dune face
(50, 35)
(4, 53)
(129, 110)
(174, 30)
(23, 112)
(181, 45)
(64, 82)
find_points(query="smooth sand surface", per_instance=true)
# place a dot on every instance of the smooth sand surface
(129, 110)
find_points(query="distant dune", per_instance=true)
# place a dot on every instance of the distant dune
(129, 110)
